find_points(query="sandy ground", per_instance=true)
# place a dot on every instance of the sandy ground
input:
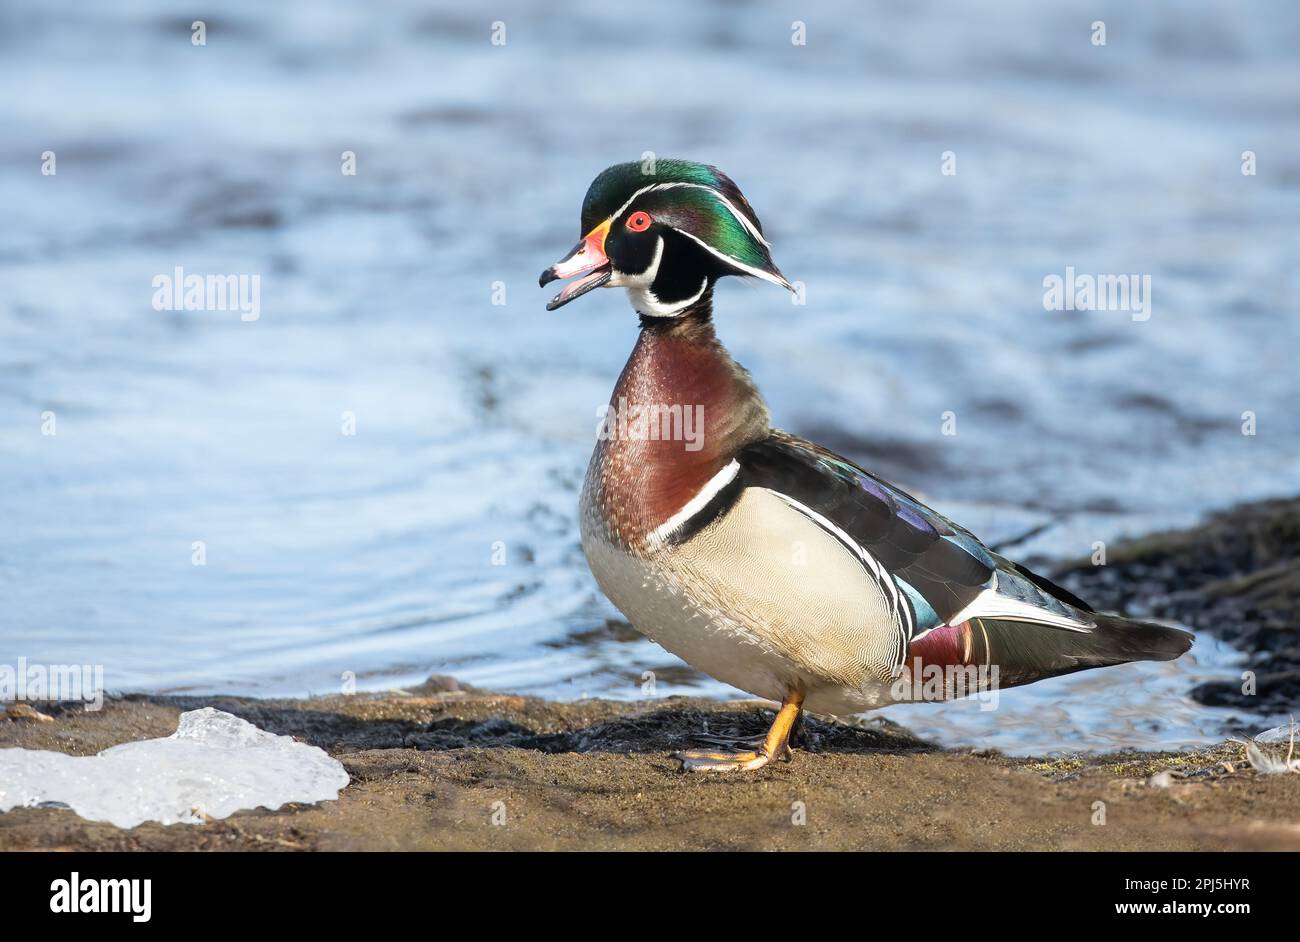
(437, 768)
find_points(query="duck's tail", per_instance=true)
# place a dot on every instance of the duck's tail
(1117, 640)
(1026, 651)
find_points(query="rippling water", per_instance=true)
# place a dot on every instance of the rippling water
(373, 553)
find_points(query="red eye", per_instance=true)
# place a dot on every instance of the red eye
(638, 222)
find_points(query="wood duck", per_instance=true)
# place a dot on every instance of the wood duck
(765, 560)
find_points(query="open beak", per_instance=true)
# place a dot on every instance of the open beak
(587, 259)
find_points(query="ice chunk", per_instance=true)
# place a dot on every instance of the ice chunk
(213, 765)
(1279, 734)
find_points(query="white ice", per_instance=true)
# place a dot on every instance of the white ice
(213, 765)
(1283, 734)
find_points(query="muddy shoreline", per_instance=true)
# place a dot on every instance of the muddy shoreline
(441, 767)
(449, 769)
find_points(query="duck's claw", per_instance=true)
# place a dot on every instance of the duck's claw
(774, 745)
(742, 744)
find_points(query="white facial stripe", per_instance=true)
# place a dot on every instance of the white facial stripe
(656, 537)
(632, 199)
(740, 217)
(643, 298)
(643, 279)
(747, 269)
(638, 286)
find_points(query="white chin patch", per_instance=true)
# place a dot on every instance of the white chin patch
(642, 298)
(645, 302)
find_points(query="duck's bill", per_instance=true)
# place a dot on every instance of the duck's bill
(587, 259)
(576, 289)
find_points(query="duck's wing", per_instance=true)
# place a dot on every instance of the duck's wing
(957, 595)
(946, 572)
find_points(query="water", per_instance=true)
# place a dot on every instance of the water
(370, 555)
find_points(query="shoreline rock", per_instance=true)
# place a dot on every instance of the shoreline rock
(1236, 577)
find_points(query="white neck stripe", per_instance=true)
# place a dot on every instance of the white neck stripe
(660, 534)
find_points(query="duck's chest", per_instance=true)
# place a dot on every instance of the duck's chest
(665, 605)
(680, 411)
(728, 601)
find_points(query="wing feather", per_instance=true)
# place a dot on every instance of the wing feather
(945, 572)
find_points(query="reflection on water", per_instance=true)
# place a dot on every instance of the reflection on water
(374, 553)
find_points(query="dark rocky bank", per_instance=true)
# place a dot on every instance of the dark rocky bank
(1236, 577)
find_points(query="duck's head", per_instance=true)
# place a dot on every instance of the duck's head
(666, 236)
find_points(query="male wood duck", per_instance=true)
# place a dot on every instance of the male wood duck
(763, 559)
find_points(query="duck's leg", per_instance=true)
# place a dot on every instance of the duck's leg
(775, 744)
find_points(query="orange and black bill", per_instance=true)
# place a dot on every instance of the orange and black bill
(587, 259)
